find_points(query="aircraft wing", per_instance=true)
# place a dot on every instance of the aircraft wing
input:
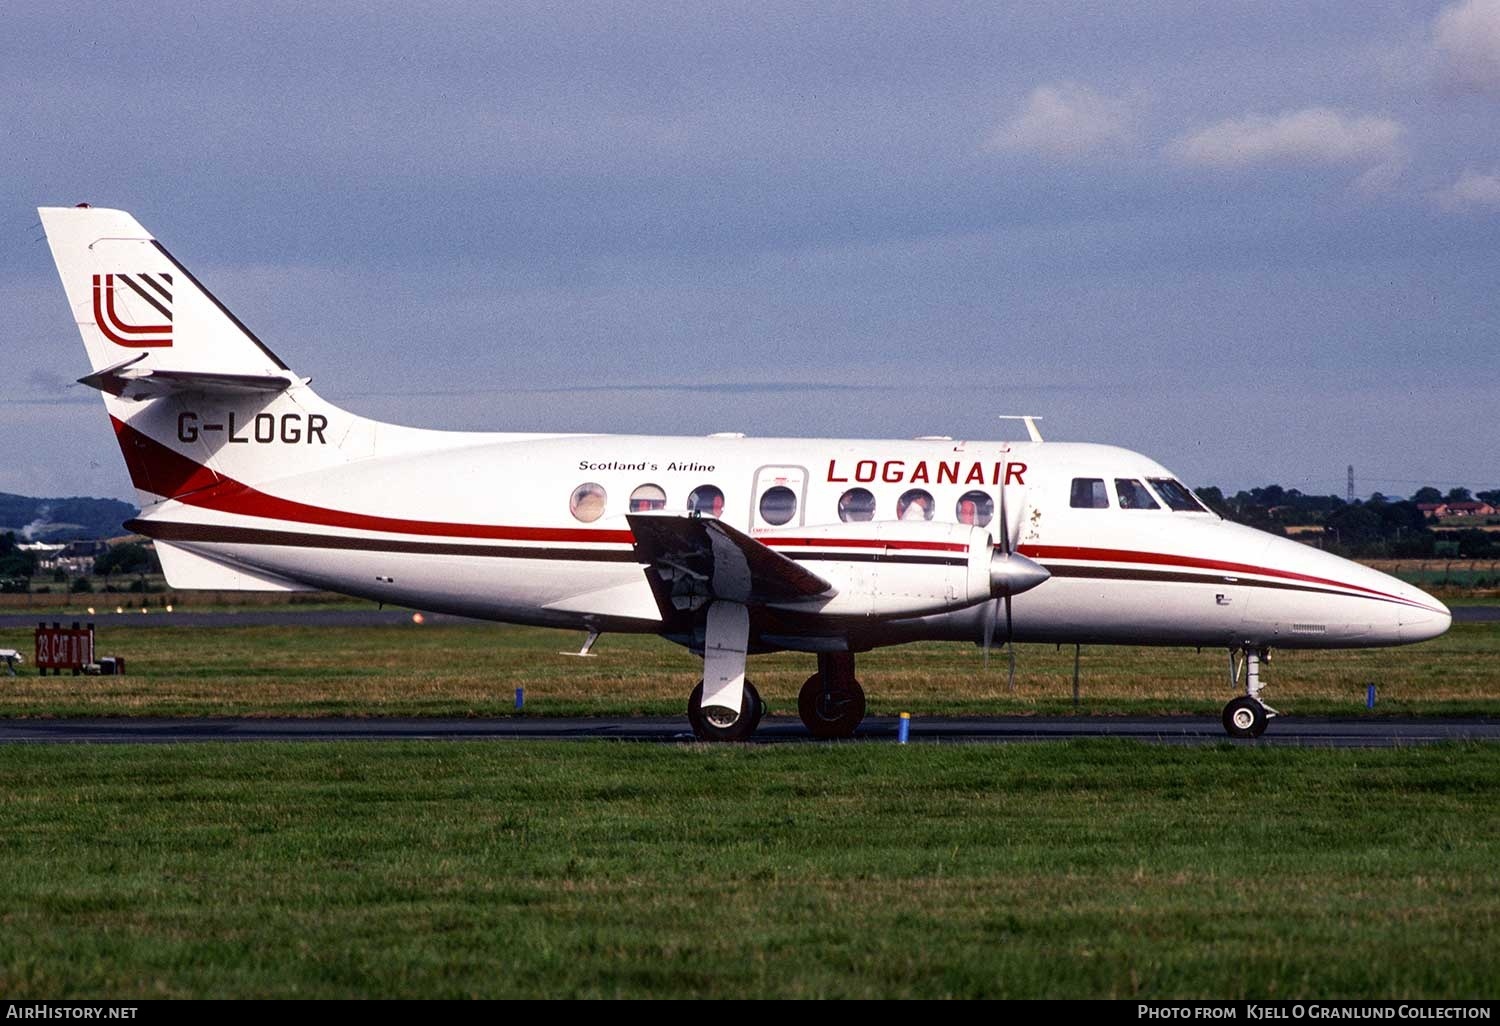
(703, 558)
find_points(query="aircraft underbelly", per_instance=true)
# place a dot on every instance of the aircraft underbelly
(1131, 612)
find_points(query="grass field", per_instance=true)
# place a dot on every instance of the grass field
(461, 670)
(1084, 869)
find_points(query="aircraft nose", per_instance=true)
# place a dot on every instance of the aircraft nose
(1430, 620)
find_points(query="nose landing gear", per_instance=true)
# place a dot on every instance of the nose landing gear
(1248, 715)
(1245, 717)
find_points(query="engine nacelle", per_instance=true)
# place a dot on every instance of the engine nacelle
(893, 568)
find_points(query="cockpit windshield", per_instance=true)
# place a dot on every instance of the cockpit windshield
(1134, 495)
(1177, 495)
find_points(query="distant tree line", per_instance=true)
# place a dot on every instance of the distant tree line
(1378, 527)
(16, 567)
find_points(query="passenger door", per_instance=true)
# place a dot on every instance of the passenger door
(778, 498)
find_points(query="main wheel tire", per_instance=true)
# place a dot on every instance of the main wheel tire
(1245, 717)
(835, 711)
(713, 727)
(759, 706)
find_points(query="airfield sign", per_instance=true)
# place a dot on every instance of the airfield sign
(61, 648)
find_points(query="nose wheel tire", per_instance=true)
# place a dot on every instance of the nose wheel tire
(715, 724)
(1245, 717)
(832, 711)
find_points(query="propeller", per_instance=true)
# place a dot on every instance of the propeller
(1010, 574)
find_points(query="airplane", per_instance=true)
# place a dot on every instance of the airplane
(727, 545)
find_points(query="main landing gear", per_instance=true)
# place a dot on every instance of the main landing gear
(726, 707)
(1247, 715)
(831, 702)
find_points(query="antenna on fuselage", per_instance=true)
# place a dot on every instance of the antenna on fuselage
(1028, 419)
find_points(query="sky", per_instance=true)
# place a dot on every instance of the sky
(1257, 241)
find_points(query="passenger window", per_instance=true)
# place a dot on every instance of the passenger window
(975, 508)
(778, 505)
(1133, 495)
(647, 497)
(1089, 493)
(587, 502)
(1176, 495)
(914, 505)
(856, 505)
(706, 500)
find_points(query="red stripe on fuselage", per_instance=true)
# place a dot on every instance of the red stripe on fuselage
(156, 468)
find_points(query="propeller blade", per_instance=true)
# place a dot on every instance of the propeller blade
(1012, 516)
(1010, 642)
(992, 613)
(1004, 525)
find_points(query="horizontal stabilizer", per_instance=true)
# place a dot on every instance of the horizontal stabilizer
(129, 381)
(726, 563)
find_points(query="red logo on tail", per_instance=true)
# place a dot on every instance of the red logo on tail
(141, 290)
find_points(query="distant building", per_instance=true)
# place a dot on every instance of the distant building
(45, 553)
(1470, 509)
(1433, 510)
(75, 557)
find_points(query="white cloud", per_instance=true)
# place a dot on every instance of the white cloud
(1313, 137)
(1067, 120)
(1472, 191)
(1466, 40)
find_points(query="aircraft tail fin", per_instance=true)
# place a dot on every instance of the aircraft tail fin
(195, 398)
(132, 300)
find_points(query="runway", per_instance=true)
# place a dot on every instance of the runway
(1173, 730)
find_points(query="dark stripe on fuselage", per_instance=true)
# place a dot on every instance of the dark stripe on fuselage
(212, 534)
(873, 557)
(222, 535)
